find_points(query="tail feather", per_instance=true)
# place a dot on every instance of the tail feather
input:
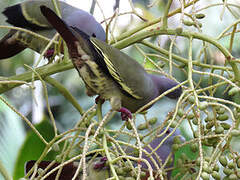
(15, 16)
(9, 47)
(62, 28)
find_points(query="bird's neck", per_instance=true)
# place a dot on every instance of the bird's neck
(163, 84)
(160, 83)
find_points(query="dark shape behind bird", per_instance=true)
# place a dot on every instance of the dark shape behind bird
(162, 152)
(27, 15)
(110, 73)
(98, 168)
(68, 171)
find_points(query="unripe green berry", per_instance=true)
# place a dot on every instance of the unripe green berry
(200, 16)
(190, 116)
(226, 126)
(220, 110)
(216, 175)
(222, 117)
(143, 174)
(205, 176)
(233, 177)
(227, 171)
(195, 121)
(152, 121)
(238, 162)
(216, 168)
(203, 105)
(207, 168)
(120, 171)
(142, 126)
(231, 165)
(128, 125)
(175, 147)
(235, 132)
(188, 23)
(173, 124)
(233, 91)
(58, 158)
(219, 130)
(180, 112)
(191, 99)
(177, 140)
(223, 160)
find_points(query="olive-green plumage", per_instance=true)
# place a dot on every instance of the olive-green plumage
(108, 72)
(28, 15)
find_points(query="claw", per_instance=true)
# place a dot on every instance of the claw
(49, 53)
(125, 114)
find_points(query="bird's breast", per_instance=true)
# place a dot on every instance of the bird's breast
(97, 82)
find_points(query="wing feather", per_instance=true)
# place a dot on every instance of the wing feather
(114, 73)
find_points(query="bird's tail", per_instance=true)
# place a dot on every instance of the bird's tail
(62, 28)
(70, 34)
(9, 46)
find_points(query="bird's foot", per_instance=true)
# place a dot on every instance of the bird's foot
(125, 114)
(100, 164)
(99, 100)
(49, 53)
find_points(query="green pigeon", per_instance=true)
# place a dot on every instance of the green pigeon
(27, 15)
(110, 73)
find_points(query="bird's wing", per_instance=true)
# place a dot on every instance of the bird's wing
(126, 71)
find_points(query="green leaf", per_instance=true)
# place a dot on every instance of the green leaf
(11, 136)
(33, 147)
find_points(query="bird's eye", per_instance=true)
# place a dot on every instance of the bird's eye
(94, 35)
(168, 131)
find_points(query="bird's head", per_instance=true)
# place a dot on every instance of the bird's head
(163, 84)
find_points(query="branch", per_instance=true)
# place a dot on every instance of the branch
(43, 71)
